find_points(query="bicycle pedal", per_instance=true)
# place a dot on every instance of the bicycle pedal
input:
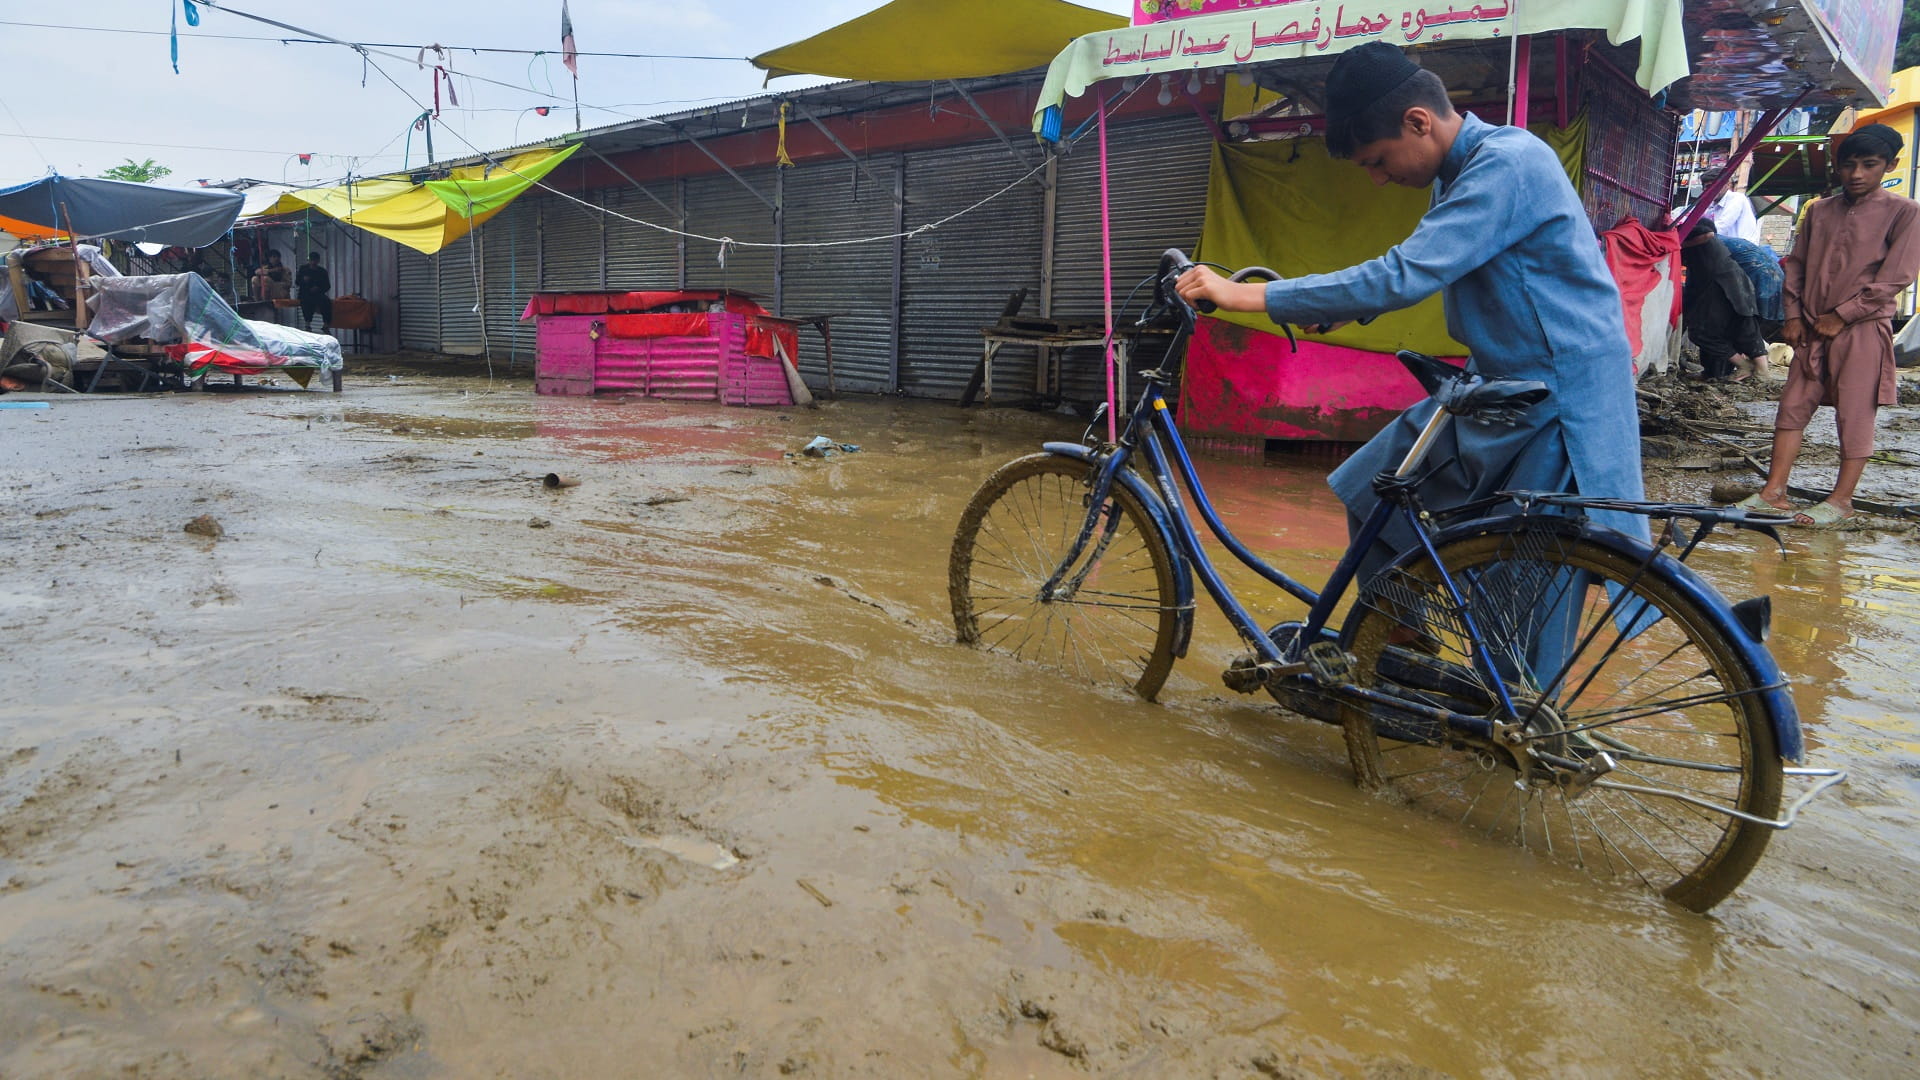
(1244, 675)
(1329, 663)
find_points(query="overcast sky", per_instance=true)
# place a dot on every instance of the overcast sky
(82, 101)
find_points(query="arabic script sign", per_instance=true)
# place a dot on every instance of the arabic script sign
(1294, 22)
(1153, 11)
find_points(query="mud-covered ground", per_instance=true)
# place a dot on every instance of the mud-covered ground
(420, 769)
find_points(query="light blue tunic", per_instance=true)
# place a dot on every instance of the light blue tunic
(1527, 291)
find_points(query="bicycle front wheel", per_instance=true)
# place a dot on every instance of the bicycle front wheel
(1600, 655)
(1112, 619)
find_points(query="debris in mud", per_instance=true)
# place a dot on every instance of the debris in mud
(206, 525)
(822, 447)
(664, 500)
(1731, 491)
(539, 523)
(555, 481)
(814, 892)
(377, 1038)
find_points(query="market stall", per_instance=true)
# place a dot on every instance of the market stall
(692, 345)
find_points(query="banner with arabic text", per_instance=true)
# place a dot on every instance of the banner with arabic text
(1296, 29)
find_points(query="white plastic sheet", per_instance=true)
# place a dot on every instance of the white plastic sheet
(183, 308)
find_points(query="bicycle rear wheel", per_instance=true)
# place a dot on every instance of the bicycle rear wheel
(1113, 619)
(1599, 656)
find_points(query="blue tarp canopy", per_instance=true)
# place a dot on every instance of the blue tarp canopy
(137, 213)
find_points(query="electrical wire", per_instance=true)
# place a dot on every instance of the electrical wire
(23, 133)
(366, 44)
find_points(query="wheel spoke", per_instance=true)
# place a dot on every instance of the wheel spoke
(1113, 617)
(1598, 651)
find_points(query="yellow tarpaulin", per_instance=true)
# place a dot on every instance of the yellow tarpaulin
(1290, 207)
(426, 217)
(924, 40)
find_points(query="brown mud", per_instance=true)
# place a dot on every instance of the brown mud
(417, 768)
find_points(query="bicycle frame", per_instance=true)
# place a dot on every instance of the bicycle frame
(1150, 422)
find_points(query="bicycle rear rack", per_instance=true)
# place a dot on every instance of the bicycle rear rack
(1827, 777)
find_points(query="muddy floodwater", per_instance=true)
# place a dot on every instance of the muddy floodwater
(420, 769)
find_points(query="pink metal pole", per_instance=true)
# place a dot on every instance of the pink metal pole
(1522, 77)
(1106, 266)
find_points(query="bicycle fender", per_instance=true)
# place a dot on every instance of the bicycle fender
(1163, 521)
(1778, 701)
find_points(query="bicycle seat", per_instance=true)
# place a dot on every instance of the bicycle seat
(1465, 393)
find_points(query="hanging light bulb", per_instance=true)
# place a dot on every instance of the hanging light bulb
(1212, 76)
(1193, 82)
(1166, 90)
(1130, 83)
(1245, 76)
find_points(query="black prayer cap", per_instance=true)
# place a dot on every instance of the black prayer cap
(1362, 76)
(1704, 227)
(1877, 140)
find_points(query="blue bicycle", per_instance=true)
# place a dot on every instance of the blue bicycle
(1520, 670)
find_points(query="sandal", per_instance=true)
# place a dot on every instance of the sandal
(1754, 504)
(1821, 515)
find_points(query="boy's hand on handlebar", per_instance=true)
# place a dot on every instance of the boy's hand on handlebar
(1202, 283)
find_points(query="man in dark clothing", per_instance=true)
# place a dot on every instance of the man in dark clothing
(1718, 304)
(313, 286)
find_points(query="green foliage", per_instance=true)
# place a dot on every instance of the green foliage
(146, 172)
(1907, 53)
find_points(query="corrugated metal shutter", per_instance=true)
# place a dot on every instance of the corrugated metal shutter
(639, 257)
(509, 243)
(459, 323)
(419, 301)
(1157, 188)
(956, 279)
(570, 237)
(719, 206)
(835, 201)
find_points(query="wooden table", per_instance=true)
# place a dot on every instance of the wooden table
(994, 338)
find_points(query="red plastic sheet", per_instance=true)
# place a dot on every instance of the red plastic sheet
(601, 303)
(1635, 254)
(687, 324)
(761, 334)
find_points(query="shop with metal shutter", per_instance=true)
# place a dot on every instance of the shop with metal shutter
(837, 201)
(1157, 189)
(460, 333)
(956, 279)
(639, 257)
(719, 206)
(510, 260)
(419, 301)
(570, 243)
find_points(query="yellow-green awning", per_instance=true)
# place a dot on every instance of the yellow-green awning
(426, 217)
(925, 40)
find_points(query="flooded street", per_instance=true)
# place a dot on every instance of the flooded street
(424, 770)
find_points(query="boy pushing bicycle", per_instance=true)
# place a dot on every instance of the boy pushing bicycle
(1508, 245)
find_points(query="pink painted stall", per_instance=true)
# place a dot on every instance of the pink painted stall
(695, 345)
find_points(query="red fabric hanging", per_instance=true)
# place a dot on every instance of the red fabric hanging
(1635, 254)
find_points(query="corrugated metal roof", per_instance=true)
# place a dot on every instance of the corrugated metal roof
(755, 113)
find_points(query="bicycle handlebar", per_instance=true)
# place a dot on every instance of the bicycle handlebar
(1174, 264)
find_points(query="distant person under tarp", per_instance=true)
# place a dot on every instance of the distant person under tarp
(312, 285)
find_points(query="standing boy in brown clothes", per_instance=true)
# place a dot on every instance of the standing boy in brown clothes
(1854, 255)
